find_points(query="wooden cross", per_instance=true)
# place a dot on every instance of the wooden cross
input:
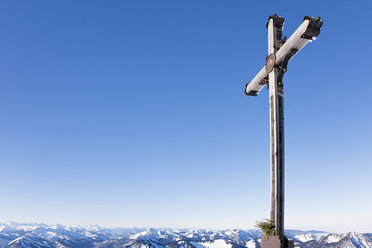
(279, 53)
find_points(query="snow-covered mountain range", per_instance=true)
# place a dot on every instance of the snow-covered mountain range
(14, 235)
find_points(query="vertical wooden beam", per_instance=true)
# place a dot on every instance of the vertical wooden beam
(274, 26)
(272, 76)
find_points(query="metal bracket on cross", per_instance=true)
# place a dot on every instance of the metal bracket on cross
(283, 66)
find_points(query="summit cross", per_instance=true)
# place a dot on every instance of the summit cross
(280, 52)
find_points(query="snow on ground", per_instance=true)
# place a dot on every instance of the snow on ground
(304, 237)
(332, 238)
(250, 244)
(356, 237)
(219, 243)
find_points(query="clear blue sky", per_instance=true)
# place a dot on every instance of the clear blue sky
(133, 113)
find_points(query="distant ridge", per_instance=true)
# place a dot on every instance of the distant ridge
(15, 235)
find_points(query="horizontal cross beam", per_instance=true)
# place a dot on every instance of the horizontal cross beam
(309, 29)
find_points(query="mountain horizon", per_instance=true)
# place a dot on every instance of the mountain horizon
(38, 235)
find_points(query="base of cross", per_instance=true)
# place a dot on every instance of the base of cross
(276, 241)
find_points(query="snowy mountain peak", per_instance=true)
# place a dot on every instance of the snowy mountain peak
(13, 235)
